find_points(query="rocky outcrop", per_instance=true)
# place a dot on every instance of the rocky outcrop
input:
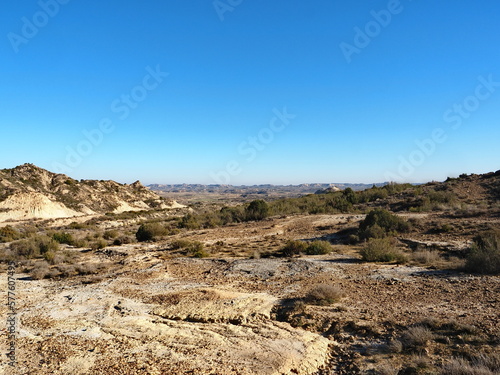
(30, 192)
(187, 329)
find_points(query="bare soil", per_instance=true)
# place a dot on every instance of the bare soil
(243, 310)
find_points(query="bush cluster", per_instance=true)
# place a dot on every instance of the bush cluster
(34, 247)
(382, 250)
(9, 234)
(380, 223)
(63, 238)
(296, 247)
(254, 211)
(320, 203)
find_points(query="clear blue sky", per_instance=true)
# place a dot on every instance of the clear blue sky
(361, 81)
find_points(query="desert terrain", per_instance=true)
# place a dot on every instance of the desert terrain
(389, 280)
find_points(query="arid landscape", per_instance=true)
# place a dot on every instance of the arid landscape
(115, 279)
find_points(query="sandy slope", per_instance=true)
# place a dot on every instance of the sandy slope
(24, 206)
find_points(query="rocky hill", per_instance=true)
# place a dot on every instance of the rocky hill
(29, 192)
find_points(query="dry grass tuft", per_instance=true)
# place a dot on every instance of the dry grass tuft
(324, 295)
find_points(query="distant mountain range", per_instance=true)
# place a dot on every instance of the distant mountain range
(255, 189)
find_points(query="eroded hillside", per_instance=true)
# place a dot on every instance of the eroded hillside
(28, 192)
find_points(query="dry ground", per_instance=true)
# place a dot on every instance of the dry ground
(152, 311)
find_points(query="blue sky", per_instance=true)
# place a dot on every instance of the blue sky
(251, 91)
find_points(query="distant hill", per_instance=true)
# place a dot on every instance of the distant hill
(259, 189)
(466, 195)
(29, 192)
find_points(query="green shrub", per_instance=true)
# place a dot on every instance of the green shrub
(370, 195)
(484, 255)
(350, 196)
(442, 197)
(189, 221)
(111, 234)
(319, 248)
(257, 210)
(383, 219)
(9, 234)
(150, 232)
(293, 247)
(231, 215)
(180, 244)
(63, 237)
(49, 256)
(98, 244)
(75, 225)
(123, 240)
(374, 231)
(197, 250)
(81, 243)
(25, 248)
(382, 250)
(342, 204)
(34, 247)
(46, 244)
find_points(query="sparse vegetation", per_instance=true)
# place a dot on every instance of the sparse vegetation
(180, 244)
(481, 364)
(426, 257)
(380, 223)
(63, 238)
(319, 247)
(324, 295)
(484, 256)
(98, 244)
(9, 234)
(378, 329)
(257, 210)
(416, 338)
(293, 248)
(34, 247)
(196, 249)
(296, 247)
(382, 250)
(150, 232)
